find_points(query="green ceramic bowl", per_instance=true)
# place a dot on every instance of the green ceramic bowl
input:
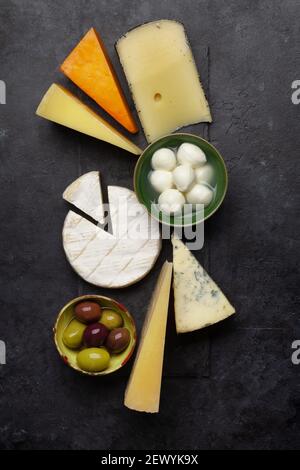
(147, 195)
(69, 355)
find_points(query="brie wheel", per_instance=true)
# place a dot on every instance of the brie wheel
(119, 259)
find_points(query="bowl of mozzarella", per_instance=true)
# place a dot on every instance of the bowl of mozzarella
(181, 179)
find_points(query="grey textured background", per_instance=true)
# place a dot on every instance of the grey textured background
(245, 391)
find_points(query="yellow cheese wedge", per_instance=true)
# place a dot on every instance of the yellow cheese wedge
(163, 78)
(143, 389)
(199, 302)
(60, 106)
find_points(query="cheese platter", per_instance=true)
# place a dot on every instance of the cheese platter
(115, 245)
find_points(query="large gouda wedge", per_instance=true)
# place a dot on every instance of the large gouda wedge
(163, 78)
(143, 389)
(89, 66)
(60, 106)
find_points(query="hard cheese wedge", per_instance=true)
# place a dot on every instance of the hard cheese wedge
(163, 78)
(85, 194)
(119, 259)
(198, 300)
(143, 389)
(60, 106)
(89, 66)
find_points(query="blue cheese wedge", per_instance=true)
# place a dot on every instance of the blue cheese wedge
(199, 302)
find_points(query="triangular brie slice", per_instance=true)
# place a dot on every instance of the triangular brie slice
(199, 302)
(85, 194)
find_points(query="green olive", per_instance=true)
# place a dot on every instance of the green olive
(111, 319)
(73, 334)
(93, 359)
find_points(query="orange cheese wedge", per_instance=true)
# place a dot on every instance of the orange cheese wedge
(90, 68)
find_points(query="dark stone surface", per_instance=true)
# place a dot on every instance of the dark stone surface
(250, 396)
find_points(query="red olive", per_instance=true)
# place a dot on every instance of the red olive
(95, 335)
(87, 312)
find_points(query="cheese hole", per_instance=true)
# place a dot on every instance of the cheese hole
(157, 97)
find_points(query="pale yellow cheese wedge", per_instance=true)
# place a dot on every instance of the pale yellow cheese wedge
(60, 106)
(163, 77)
(199, 302)
(143, 389)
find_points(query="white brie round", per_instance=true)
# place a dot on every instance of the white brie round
(116, 259)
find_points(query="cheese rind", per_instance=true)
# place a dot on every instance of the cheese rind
(163, 78)
(144, 386)
(89, 66)
(60, 106)
(85, 194)
(113, 260)
(199, 302)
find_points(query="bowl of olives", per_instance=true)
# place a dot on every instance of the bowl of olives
(95, 335)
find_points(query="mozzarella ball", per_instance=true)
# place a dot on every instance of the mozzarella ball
(163, 159)
(171, 201)
(204, 174)
(200, 194)
(161, 180)
(191, 154)
(183, 176)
